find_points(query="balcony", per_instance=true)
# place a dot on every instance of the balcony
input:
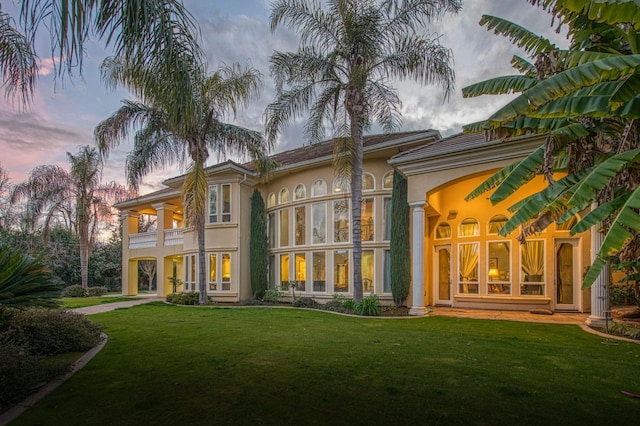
(143, 240)
(173, 237)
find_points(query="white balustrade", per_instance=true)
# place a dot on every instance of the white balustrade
(143, 240)
(173, 237)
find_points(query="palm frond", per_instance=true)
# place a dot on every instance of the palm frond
(17, 62)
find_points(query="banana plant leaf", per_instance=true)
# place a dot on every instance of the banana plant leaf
(522, 173)
(532, 43)
(499, 86)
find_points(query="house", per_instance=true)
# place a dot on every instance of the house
(458, 258)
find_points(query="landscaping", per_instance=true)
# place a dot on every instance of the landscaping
(82, 302)
(254, 365)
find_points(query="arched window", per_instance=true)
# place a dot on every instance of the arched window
(496, 223)
(284, 195)
(341, 185)
(271, 200)
(387, 180)
(368, 182)
(469, 227)
(299, 192)
(319, 188)
(443, 231)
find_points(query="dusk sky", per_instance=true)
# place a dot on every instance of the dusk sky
(65, 112)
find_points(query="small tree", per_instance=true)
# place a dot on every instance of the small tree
(258, 246)
(400, 265)
(148, 268)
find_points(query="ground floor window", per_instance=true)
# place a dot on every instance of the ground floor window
(213, 275)
(367, 264)
(190, 272)
(468, 265)
(499, 268)
(300, 271)
(319, 271)
(386, 282)
(341, 271)
(284, 270)
(532, 260)
(219, 277)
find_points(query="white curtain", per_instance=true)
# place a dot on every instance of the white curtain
(469, 227)
(469, 262)
(533, 258)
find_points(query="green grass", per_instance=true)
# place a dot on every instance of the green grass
(171, 365)
(81, 302)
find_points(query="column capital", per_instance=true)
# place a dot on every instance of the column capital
(418, 204)
(127, 214)
(164, 206)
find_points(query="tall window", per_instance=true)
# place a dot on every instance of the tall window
(272, 271)
(341, 185)
(496, 223)
(319, 220)
(341, 271)
(341, 221)
(284, 270)
(318, 188)
(284, 227)
(271, 200)
(443, 231)
(226, 202)
(532, 261)
(469, 227)
(468, 279)
(499, 268)
(368, 268)
(213, 204)
(300, 225)
(319, 271)
(226, 272)
(284, 196)
(271, 219)
(213, 275)
(300, 192)
(220, 207)
(190, 272)
(366, 220)
(387, 180)
(300, 271)
(368, 182)
(387, 219)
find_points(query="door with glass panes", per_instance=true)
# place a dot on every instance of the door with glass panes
(567, 281)
(442, 271)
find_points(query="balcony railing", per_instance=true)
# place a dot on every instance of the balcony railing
(143, 240)
(173, 237)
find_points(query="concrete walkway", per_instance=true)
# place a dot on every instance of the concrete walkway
(98, 309)
(523, 316)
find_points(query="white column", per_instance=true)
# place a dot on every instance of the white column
(599, 298)
(417, 259)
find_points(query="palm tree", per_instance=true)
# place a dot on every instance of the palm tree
(161, 140)
(586, 100)
(141, 32)
(17, 61)
(49, 188)
(350, 50)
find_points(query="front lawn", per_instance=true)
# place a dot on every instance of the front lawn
(173, 365)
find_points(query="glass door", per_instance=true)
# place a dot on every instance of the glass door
(567, 275)
(442, 279)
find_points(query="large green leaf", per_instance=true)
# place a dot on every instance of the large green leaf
(627, 90)
(600, 176)
(519, 175)
(617, 236)
(491, 182)
(608, 11)
(532, 43)
(564, 83)
(597, 215)
(524, 66)
(499, 86)
(549, 198)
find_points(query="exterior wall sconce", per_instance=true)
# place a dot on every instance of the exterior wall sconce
(452, 214)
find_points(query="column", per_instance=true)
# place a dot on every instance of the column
(599, 297)
(129, 276)
(417, 259)
(164, 215)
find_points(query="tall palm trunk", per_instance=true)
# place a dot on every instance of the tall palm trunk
(83, 245)
(355, 108)
(202, 265)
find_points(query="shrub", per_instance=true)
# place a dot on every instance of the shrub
(348, 304)
(189, 298)
(369, 306)
(75, 291)
(306, 302)
(21, 373)
(97, 291)
(50, 332)
(273, 294)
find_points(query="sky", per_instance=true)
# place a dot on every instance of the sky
(65, 112)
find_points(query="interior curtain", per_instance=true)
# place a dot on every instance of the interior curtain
(444, 231)
(533, 257)
(469, 228)
(468, 261)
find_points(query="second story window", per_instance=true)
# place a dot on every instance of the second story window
(220, 203)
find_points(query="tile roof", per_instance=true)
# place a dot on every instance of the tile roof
(453, 143)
